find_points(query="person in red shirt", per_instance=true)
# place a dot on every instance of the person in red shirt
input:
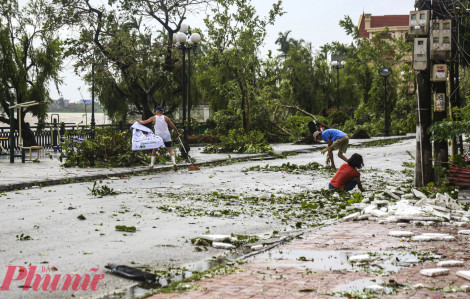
(347, 175)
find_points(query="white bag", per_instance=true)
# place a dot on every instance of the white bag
(144, 139)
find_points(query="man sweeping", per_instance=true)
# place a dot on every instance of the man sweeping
(336, 139)
(161, 129)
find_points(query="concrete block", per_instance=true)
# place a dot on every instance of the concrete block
(360, 258)
(398, 233)
(434, 272)
(465, 274)
(378, 213)
(451, 263)
(418, 193)
(432, 237)
(464, 232)
(220, 245)
(392, 195)
(377, 289)
(256, 247)
(351, 217)
(407, 196)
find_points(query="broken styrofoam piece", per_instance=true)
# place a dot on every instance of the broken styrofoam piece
(398, 233)
(378, 289)
(360, 258)
(433, 237)
(465, 288)
(220, 245)
(464, 232)
(378, 213)
(418, 193)
(434, 272)
(402, 224)
(451, 263)
(218, 238)
(465, 274)
(350, 217)
(392, 195)
(407, 196)
(257, 247)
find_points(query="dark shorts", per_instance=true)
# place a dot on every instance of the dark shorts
(348, 187)
(168, 144)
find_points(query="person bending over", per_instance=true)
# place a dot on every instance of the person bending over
(347, 175)
(336, 139)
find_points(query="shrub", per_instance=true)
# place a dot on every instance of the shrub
(337, 118)
(108, 149)
(238, 141)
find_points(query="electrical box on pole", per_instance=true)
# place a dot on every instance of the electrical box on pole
(419, 22)
(439, 73)
(439, 102)
(441, 38)
(420, 54)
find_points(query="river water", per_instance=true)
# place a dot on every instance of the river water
(80, 118)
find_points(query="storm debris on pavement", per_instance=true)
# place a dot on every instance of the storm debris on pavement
(394, 205)
(451, 263)
(434, 272)
(464, 274)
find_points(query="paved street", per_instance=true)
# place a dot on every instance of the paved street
(73, 229)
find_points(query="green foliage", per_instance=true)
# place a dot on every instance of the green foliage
(337, 118)
(446, 130)
(30, 58)
(349, 127)
(238, 141)
(123, 228)
(104, 190)
(23, 237)
(108, 149)
(297, 125)
(290, 168)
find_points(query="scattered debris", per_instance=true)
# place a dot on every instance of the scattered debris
(123, 228)
(361, 258)
(396, 205)
(130, 272)
(451, 263)
(464, 274)
(434, 272)
(220, 245)
(397, 233)
(433, 237)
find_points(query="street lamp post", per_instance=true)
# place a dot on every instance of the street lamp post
(337, 64)
(185, 44)
(92, 123)
(385, 72)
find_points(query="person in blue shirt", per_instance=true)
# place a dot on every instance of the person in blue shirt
(336, 139)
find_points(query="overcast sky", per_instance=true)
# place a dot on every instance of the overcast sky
(313, 21)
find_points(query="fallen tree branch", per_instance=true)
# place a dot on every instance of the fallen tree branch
(301, 110)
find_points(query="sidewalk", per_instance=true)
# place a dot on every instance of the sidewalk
(318, 266)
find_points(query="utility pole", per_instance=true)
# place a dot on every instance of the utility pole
(419, 26)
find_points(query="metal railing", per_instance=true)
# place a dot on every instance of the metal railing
(45, 136)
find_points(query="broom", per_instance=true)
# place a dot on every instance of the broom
(192, 166)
